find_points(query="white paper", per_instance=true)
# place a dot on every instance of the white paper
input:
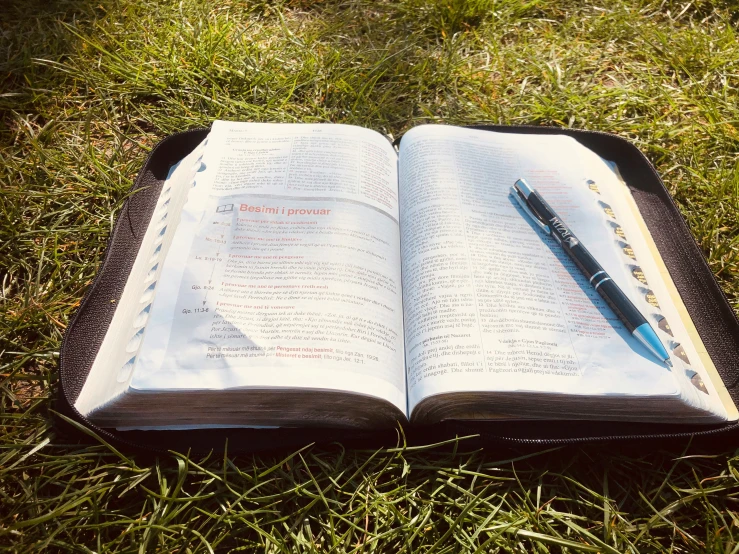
(285, 268)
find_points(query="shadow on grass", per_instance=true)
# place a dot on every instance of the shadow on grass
(33, 31)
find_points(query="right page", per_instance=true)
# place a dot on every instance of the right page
(494, 304)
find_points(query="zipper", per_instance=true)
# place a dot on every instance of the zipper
(117, 438)
(610, 438)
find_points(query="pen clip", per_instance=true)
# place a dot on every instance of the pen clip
(521, 199)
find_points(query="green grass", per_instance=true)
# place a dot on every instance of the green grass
(88, 87)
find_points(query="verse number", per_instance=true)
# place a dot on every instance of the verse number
(195, 311)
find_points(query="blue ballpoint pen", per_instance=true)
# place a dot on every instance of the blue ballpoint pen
(549, 222)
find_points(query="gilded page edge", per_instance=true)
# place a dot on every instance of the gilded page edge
(732, 412)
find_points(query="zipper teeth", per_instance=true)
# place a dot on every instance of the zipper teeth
(117, 438)
(613, 438)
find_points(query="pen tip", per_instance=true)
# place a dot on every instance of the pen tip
(668, 362)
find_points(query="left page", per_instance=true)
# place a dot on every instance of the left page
(285, 267)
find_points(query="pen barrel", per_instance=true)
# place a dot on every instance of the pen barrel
(586, 263)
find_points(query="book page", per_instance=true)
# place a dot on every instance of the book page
(285, 268)
(491, 302)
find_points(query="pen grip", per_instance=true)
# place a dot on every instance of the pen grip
(584, 260)
(621, 305)
(616, 299)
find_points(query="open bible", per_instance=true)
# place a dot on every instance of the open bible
(313, 275)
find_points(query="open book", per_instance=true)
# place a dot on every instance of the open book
(312, 275)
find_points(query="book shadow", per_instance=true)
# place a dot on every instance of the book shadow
(577, 277)
(238, 346)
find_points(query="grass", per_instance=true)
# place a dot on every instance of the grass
(87, 88)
